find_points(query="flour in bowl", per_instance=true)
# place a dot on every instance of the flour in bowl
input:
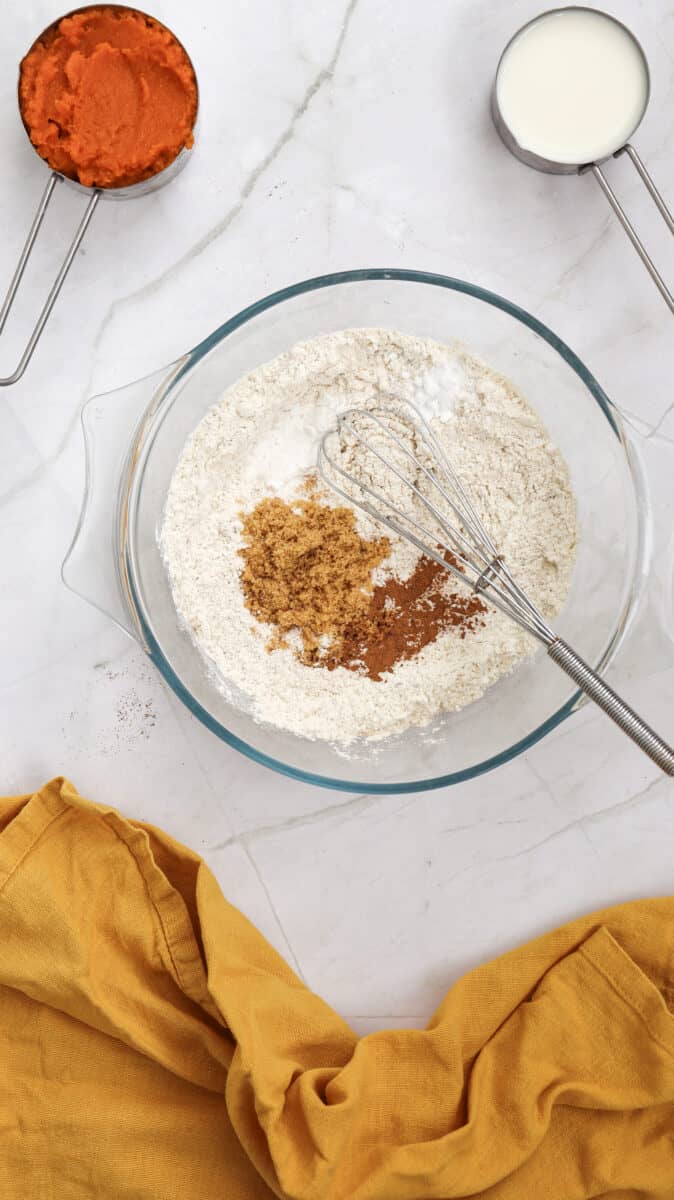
(259, 443)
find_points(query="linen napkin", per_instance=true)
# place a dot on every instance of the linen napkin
(153, 1046)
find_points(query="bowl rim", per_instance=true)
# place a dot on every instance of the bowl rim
(165, 396)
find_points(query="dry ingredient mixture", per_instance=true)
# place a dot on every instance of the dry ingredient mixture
(307, 570)
(331, 629)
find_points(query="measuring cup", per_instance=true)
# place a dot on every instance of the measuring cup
(94, 194)
(555, 62)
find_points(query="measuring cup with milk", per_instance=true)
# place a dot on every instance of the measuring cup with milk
(571, 88)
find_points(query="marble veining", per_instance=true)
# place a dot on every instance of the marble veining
(335, 136)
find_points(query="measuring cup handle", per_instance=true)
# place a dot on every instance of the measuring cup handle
(647, 179)
(49, 303)
(627, 225)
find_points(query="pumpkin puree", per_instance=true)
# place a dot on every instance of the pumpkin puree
(108, 96)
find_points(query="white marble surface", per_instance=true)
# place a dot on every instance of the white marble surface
(333, 135)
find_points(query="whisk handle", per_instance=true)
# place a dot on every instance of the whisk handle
(625, 717)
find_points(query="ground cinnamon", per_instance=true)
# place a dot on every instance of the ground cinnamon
(402, 618)
(307, 571)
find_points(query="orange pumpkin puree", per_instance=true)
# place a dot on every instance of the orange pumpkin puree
(108, 96)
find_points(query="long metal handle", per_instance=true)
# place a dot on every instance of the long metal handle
(647, 179)
(627, 225)
(49, 303)
(599, 691)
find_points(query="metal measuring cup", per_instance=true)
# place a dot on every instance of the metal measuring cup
(135, 191)
(564, 168)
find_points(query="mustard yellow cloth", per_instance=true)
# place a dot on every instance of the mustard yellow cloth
(154, 1047)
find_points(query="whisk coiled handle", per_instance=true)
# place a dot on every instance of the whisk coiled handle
(599, 691)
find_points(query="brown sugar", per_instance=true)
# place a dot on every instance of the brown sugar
(308, 571)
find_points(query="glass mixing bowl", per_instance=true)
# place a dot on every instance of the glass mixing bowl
(134, 438)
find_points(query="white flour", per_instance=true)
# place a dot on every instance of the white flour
(261, 440)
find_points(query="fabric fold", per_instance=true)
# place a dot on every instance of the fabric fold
(153, 1044)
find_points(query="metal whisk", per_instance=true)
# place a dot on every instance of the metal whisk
(456, 538)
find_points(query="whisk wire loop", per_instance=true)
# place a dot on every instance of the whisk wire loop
(464, 543)
(458, 540)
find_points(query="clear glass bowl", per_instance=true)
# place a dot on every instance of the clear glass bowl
(135, 436)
